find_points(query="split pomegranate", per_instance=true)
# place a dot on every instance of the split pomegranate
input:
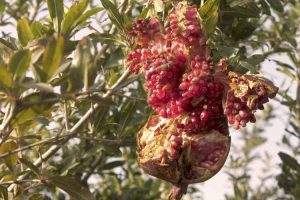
(187, 140)
(168, 153)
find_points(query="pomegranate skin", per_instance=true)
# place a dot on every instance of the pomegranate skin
(199, 156)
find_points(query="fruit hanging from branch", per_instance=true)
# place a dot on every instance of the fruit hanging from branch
(187, 140)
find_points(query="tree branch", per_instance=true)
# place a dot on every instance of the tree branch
(53, 149)
(72, 132)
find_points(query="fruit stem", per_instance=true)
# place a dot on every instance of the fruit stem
(178, 191)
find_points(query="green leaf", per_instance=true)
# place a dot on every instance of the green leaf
(53, 55)
(126, 115)
(72, 187)
(113, 150)
(72, 15)
(211, 22)
(265, 7)
(32, 112)
(284, 65)
(37, 28)
(31, 166)
(83, 69)
(36, 196)
(9, 42)
(100, 100)
(25, 34)
(113, 164)
(209, 13)
(3, 193)
(63, 67)
(107, 38)
(11, 160)
(209, 8)
(6, 77)
(289, 160)
(83, 18)
(56, 11)
(234, 3)
(251, 11)
(276, 5)
(248, 66)
(243, 30)
(2, 6)
(19, 63)
(113, 14)
(43, 87)
(145, 12)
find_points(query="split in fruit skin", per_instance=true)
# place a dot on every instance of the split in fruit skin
(194, 99)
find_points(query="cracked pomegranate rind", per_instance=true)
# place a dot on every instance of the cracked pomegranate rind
(247, 94)
(195, 159)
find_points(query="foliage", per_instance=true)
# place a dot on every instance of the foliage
(69, 109)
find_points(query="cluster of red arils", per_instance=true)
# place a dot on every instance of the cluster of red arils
(187, 140)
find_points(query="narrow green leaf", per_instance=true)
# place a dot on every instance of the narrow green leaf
(250, 10)
(113, 164)
(37, 28)
(30, 165)
(107, 38)
(208, 8)
(113, 150)
(42, 120)
(25, 34)
(211, 22)
(209, 13)
(113, 14)
(43, 87)
(265, 7)
(63, 67)
(243, 30)
(126, 115)
(56, 11)
(284, 65)
(19, 63)
(39, 74)
(248, 66)
(36, 196)
(73, 14)
(83, 18)
(102, 101)
(145, 12)
(276, 5)
(234, 3)
(53, 55)
(83, 69)
(72, 187)
(289, 160)
(3, 193)
(32, 112)
(11, 160)
(6, 77)
(2, 6)
(9, 42)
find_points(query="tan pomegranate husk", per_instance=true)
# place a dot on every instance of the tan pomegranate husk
(251, 81)
(153, 158)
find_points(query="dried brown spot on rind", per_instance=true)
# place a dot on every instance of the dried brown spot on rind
(154, 158)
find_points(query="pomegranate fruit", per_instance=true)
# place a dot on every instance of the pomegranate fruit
(187, 140)
(168, 153)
